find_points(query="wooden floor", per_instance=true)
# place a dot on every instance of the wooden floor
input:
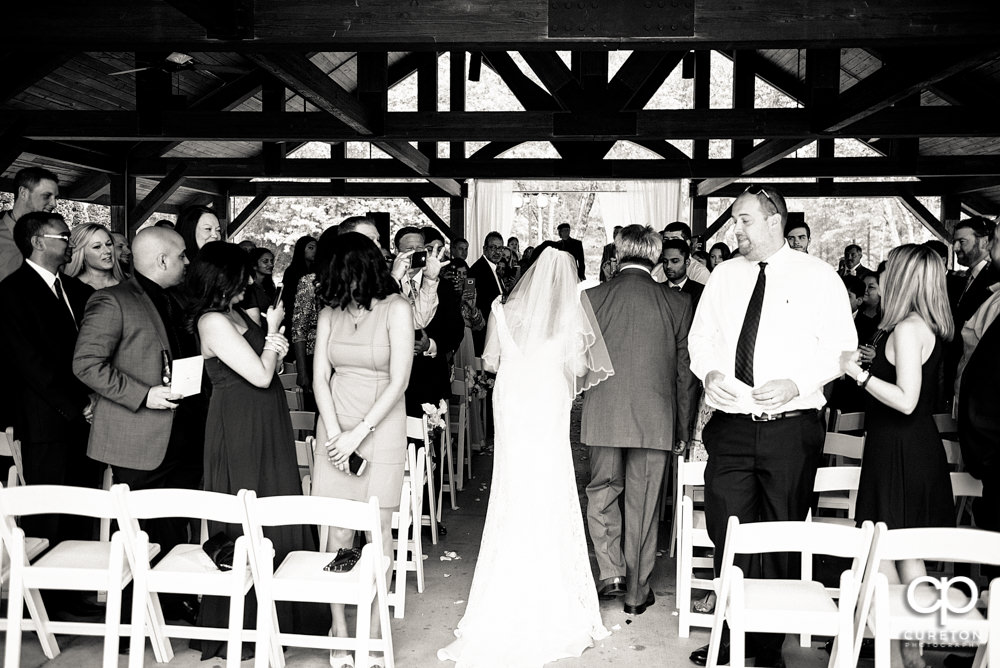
(648, 640)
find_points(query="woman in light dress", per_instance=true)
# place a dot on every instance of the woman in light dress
(533, 598)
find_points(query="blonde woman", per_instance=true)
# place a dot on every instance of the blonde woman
(904, 475)
(94, 259)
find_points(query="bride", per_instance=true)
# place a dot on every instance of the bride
(533, 598)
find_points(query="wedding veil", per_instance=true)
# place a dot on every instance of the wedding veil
(546, 306)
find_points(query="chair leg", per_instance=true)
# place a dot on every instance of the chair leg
(112, 622)
(364, 632)
(234, 641)
(162, 650)
(137, 641)
(448, 455)
(15, 607)
(401, 553)
(431, 498)
(37, 612)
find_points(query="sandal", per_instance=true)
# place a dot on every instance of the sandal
(377, 661)
(705, 606)
(346, 661)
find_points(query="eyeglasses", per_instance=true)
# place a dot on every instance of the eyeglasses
(64, 237)
(754, 189)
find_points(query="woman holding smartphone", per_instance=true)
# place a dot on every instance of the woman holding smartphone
(366, 333)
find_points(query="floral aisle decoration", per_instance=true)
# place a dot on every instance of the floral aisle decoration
(479, 383)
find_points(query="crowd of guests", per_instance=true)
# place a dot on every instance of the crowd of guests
(95, 323)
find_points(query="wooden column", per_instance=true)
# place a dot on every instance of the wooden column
(272, 96)
(427, 94)
(457, 217)
(744, 93)
(122, 201)
(456, 102)
(702, 83)
(373, 86)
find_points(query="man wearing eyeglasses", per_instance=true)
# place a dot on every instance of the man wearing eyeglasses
(42, 309)
(35, 189)
(768, 334)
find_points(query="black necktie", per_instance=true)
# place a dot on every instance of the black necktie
(748, 335)
(58, 288)
(676, 287)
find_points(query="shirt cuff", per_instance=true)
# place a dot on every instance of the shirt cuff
(432, 349)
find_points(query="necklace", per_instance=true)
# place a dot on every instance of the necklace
(357, 318)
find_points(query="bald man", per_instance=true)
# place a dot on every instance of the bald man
(141, 429)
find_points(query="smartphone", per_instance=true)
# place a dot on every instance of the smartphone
(418, 260)
(357, 464)
(277, 297)
(470, 284)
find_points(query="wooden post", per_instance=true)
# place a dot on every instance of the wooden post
(272, 96)
(122, 201)
(457, 217)
(456, 102)
(427, 94)
(744, 92)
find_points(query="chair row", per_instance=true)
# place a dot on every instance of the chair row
(111, 565)
(836, 489)
(865, 602)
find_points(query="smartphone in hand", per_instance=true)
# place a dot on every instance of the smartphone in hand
(357, 464)
(418, 260)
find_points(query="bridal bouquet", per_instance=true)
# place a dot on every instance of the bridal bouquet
(435, 414)
(479, 383)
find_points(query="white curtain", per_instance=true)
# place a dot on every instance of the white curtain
(655, 203)
(490, 206)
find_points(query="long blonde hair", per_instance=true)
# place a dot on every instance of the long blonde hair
(914, 282)
(81, 236)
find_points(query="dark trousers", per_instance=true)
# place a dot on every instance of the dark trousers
(986, 511)
(760, 472)
(59, 463)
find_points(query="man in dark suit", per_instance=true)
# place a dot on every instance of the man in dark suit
(675, 258)
(609, 258)
(572, 246)
(439, 338)
(488, 285)
(42, 309)
(851, 264)
(628, 448)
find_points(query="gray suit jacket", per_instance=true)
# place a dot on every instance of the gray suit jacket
(650, 401)
(118, 357)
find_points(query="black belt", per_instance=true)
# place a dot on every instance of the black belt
(765, 417)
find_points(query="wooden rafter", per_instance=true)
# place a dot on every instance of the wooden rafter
(431, 214)
(28, 71)
(929, 220)
(244, 217)
(157, 197)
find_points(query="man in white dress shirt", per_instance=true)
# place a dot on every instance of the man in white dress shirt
(764, 374)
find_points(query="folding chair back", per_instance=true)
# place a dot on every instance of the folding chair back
(953, 453)
(692, 534)
(847, 422)
(946, 425)
(843, 446)
(458, 423)
(11, 447)
(837, 487)
(417, 430)
(304, 457)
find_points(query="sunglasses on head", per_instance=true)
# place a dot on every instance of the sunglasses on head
(754, 189)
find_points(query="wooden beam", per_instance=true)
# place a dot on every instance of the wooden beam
(349, 189)
(457, 211)
(927, 218)
(122, 200)
(431, 214)
(11, 147)
(156, 197)
(558, 79)
(87, 189)
(744, 94)
(640, 77)
(244, 217)
(427, 94)
(845, 189)
(718, 223)
(766, 153)
(272, 96)
(528, 93)
(456, 97)
(222, 19)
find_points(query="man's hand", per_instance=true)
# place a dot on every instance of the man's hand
(434, 263)
(88, 410)
(717, 391)
(775, 393)
(422, 344)
(160, 398)
(401, 265)
(679, 447)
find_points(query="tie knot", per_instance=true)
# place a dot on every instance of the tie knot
(762, 265)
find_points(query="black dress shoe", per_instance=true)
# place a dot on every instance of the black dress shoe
(641, 608)
(958, 661)
(614, 588)
(699, 657)
(180, 610)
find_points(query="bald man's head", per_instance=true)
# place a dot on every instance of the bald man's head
(158, 254)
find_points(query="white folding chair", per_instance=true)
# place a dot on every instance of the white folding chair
(888, 610)
(10, 447)
(964, 486)
(458, 423)
(802, 606)
(303, 423)
(692, 533)
(293, 393)
(847, 422)
(416, 429)
(304, 457)
(953, 453)
(837, 487)
(32, 548)
(946, 424)
(301, 576)
(186, 569)
(78, 565)
(841, 447)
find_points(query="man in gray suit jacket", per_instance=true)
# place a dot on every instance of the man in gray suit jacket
(633, 419)
(119, 355)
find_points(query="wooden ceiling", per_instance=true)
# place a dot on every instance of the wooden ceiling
(918, 81)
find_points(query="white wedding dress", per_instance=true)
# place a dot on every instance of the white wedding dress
(533, 598)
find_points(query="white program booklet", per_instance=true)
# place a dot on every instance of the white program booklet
(185, 378)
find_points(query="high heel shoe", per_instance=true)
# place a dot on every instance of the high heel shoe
(346, 661)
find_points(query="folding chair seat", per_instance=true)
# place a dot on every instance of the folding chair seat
(692, 533)
(301, 576)
(888, 610)
(186, 569)
(802, 606)
(78, 565)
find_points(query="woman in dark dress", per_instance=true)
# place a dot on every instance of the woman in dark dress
(905, 480)
(248, 435)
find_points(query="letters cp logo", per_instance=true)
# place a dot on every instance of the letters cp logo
(943, 604)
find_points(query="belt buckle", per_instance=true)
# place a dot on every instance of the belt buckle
(763, 417)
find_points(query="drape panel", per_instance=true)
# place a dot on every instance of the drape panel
(490, 206)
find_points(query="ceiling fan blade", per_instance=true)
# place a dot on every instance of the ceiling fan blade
(138, 69)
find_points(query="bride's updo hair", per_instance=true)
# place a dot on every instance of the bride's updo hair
(638, 244)
(356, 272)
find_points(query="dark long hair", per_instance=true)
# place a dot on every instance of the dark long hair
(356, 272)
(298, 268)
(218, 274)
(187, 223)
